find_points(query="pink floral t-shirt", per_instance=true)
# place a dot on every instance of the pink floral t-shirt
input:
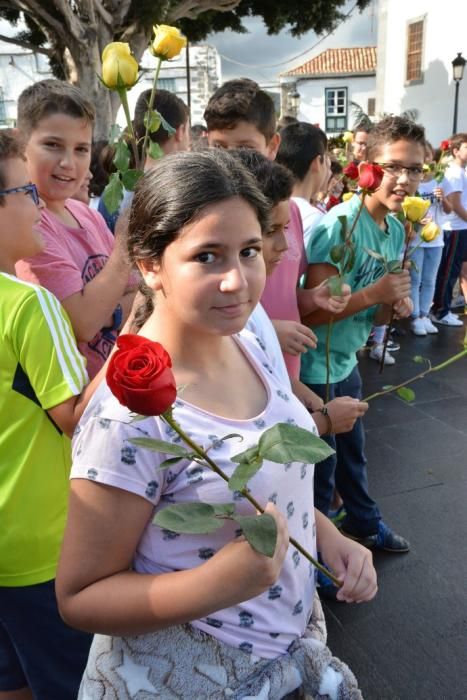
(279, 298)
(73, 256)
(267, 624)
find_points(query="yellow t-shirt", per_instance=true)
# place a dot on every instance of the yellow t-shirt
(40, 367)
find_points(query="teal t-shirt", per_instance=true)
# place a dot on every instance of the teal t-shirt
(351, 333)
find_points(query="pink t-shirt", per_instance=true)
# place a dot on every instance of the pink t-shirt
(280, 293)
(267, 624)
(72, 258)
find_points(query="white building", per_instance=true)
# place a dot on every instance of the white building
(417, 42)
(205, 77)
(328, 85)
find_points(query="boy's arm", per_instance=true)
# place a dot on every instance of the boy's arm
(67, 414)
(454, 199)
(388, 289)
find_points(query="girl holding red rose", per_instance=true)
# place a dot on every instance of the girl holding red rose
(196, 615)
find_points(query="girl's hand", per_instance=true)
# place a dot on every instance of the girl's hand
(294, 337)
(353, 565)
(344, 411)
(438, 192)
(403, 308)
(334, 304)
(242, 572)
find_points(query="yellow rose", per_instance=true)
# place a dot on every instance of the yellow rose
(429, 232)
(119, 67)
(347, 195)
(415, 208)
(347, 137)
(167, 42)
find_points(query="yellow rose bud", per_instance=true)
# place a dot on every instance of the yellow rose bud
(429, 232)
(119, 67)
(347, 137)
(347, 195)
(415, 208)
(167, 42)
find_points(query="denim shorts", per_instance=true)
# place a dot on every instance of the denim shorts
(37, 649)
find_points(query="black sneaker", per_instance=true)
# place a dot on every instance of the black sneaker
(393, 346)
(385, 539)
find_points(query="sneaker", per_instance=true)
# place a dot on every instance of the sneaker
(376, 353)
(417, 326)
(384, 539)
(448, 320)
(429, 327)
(393, 346)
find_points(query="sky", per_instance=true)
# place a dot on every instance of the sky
(258, 49)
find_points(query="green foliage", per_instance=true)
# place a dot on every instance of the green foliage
(406, 394)
(130, 178)
(121, 158)
(336, 253)
(419, 359)
(113, 193)
(335, 285)
(155, 151)
(154, 445)
(194, 518)
(260, 531)
(245, 471)
(284, 443)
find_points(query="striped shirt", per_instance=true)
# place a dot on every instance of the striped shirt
(40, 367)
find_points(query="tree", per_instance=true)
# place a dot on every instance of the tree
(73, 33)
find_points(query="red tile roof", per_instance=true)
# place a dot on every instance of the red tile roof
(361, 60)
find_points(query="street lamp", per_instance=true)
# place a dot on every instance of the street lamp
(294, 101)
(458, 66)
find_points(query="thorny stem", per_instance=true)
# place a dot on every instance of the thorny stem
(167, 416)
(149, 110)
(426, 371)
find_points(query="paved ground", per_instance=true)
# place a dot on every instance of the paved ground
(411, 642)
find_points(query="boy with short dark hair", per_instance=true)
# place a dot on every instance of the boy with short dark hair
(455, 234)
(82, 264)
(398, 146)
(42, 395)
(174, 111)
(360, 142)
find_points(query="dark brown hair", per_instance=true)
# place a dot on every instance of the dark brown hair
(241, 100)
(11, 146)
(274, 181)
(300, 144)
(457, 140)
(172, 108)
(392, 129)
(174, 193)
(49, 97)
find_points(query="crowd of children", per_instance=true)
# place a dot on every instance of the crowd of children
(230, 245)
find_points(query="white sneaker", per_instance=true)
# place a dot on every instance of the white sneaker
(429, 327)
(448, 320)
(376, 353)
(417, 326)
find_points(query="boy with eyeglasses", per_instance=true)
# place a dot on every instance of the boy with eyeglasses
(43, 391)
(398, 146)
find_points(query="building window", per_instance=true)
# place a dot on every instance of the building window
(371, 107)
(166, 84)
(336, 109)
(414, 51)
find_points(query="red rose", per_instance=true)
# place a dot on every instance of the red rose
(351, 171)
(332, 201)
(445, 145)
(139, 376)
(370, 178)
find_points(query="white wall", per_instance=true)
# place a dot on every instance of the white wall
(445, 36)
(312, 92)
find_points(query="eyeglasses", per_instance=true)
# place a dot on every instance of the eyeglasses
(395, 170)
(29, 189)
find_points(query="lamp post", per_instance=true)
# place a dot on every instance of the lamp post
(458, 66)
(294, 101)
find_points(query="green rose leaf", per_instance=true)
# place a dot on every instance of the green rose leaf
(335, 285)
(113, 193)
(419, 359)
(193, 518)
(155, 151)
(386, 387)
(260, 531)
(394, 266)
(348, 267)
(343, 222)
(114, 133)
(122, 156)
(414, 265)
(230, 436)
(375, 255)
(154, 445)
(336, 253)
(152, 120)
(248, 455)
(284, 443)
(171, 462)
(243, 473)
(130, 178)
(405, 393)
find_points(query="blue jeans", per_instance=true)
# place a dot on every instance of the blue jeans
(454, 254)
(37, 649)
(423, 280)
(346, 470)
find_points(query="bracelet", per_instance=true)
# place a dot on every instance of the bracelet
(326, 414)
